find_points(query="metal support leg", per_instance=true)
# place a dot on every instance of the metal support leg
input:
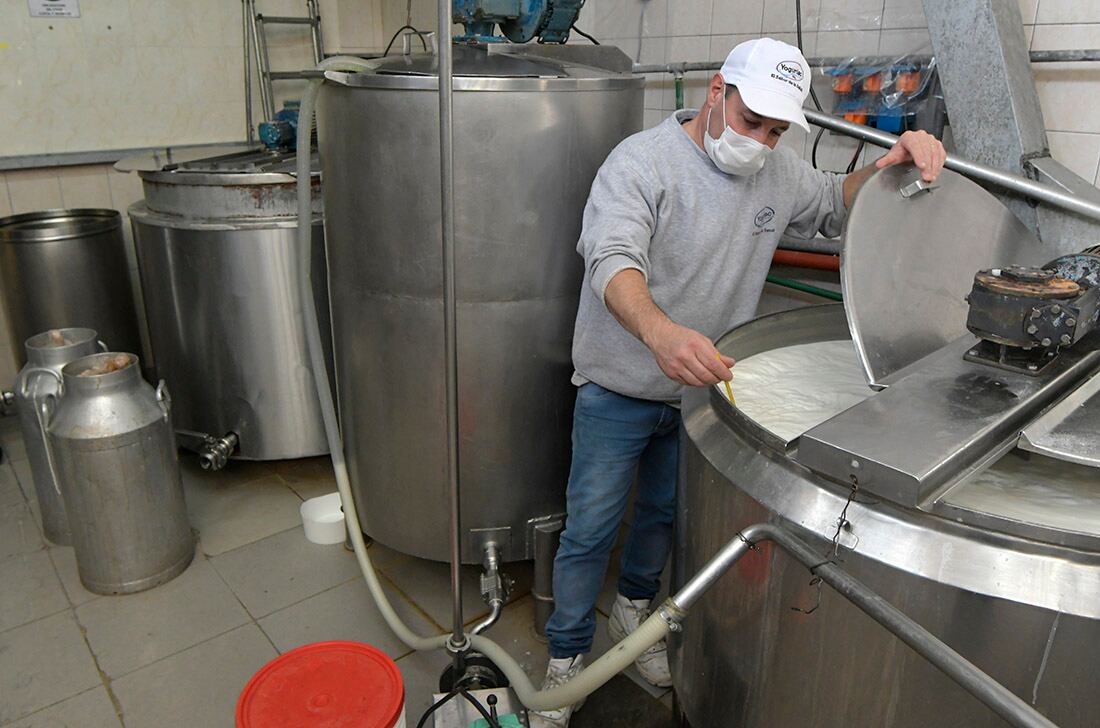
(547, 538)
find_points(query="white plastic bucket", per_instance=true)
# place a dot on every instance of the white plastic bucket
(323, 519)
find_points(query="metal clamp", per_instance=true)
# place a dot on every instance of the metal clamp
(914, 188)
(671, 615)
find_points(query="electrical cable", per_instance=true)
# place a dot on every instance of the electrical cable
(405, 27)
(855, 158)
(493, 722)
(434, 707)
(582, 34)
(813, 152)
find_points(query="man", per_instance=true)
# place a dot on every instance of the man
(678, 236)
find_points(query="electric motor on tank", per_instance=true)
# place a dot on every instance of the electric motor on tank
(215, 239)
(530, 133)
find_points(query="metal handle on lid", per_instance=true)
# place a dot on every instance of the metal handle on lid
(43, 411)
(102, 345)
(163, 398)
(914, 188)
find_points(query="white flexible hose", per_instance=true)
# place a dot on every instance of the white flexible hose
(591, 678)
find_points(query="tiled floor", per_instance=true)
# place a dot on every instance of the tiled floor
(178, 655)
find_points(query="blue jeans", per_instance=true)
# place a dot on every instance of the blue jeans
(614, 437)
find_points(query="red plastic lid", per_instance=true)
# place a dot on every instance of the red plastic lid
(324, 685)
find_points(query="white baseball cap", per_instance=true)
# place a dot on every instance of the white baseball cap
(772, 77)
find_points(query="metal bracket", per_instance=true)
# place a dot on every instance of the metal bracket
(916, 187)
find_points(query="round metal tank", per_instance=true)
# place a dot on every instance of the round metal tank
(530, 135)
(756, 652)
(67, 268)
(215, 241)
(110, 436)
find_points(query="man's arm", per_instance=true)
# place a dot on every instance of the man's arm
(683, 354)
(918, 147)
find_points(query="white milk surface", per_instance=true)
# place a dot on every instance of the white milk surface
(790, 390)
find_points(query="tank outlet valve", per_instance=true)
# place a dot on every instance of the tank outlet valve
(215, 451)
(7, 402)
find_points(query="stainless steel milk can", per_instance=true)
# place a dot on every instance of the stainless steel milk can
(112, 444)
(47, 353)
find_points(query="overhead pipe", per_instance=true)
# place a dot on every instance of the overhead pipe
(682, 67)
(814, 261)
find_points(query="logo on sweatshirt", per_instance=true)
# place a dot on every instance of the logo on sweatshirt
(791, 69)
(764, 217)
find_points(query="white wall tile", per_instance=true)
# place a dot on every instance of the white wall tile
(1068, 11)
(653, 117)
(1079, 152)
(779, 15)
(1065, 37)
(904, 42)
(125, 189)
(1068, 91)
(851, 15)
(737, 16)
(847, 43)
(1028, 9)
(689, 17)
(903, 14)
(85, 186)
(32, 190)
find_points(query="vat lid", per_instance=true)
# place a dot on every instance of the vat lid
(909, 261)
(472, 62)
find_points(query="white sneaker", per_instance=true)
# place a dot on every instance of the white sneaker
(558, 672)
(626, 616)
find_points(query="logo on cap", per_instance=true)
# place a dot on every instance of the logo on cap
(791, 69)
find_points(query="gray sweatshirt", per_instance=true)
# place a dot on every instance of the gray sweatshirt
(703, 239)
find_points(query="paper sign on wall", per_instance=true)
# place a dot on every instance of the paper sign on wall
(54, 8)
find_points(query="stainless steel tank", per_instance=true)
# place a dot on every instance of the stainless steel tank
(215, 241)
(1018, 596)
(37, 381)
(111, 440)
(529, 134)
(67, 268)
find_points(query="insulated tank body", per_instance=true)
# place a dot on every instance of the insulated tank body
(769, 645)
(215, 240)
(530, 134)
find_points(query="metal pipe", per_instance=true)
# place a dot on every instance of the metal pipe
(458, 640)
(249, 132)
(995, 696)
(804, 287)
(811, 245)
(682, 67)
(814, 261)
(976, 170)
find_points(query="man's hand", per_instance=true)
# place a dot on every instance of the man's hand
(920, 147)
(686, 356)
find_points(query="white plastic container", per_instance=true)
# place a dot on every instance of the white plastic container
(323, 519)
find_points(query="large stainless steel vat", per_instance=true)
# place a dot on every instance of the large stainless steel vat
(111, 439)
(215, 241)
(67, 268)
(1007, 594)
(529, 137)
(33, 386)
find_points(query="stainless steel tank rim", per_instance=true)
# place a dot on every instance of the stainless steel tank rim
(903, 539)
(471, 83)
(141, 211)
(222, 179)
(97, 220)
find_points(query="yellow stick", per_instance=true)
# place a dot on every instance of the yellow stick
(729, 389)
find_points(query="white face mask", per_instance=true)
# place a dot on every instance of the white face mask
(734, 153)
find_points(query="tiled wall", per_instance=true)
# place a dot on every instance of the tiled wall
(657, 31)
(136, 72)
